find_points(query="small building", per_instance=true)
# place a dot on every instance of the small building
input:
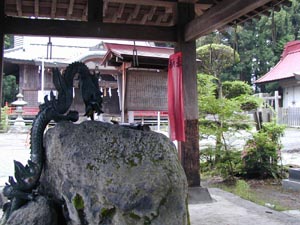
(287, 74)
(142, 82)
(32, 59)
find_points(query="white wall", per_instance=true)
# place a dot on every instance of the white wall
(291, 96)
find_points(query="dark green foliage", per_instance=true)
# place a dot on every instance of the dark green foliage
(233, 89)
(248, 102)
(229, 165)
(8, 41)
(9, 89)
(260, 155)
(259, 44)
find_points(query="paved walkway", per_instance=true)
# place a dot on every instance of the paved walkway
(226, 209)
(12, 147)
(229, 209)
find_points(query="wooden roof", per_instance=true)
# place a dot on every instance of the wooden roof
(148, 56)
(163, 14)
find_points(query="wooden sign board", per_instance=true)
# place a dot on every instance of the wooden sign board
(146, 90)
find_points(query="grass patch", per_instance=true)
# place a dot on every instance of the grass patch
(242, 189)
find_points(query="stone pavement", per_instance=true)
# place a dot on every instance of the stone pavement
(226, 208)
(229, 209)
(12, 147)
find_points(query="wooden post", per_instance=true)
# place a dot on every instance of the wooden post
(189, 150)
(1, 50)
(123, 92)
(276, 102)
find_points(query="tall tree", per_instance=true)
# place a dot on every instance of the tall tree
(215, 58)
(259, 42)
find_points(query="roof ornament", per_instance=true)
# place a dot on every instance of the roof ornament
(135, 58)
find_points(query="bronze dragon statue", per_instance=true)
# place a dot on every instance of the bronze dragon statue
(24, 187)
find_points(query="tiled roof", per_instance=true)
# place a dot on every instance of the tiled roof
(287, 67)
(121, 50)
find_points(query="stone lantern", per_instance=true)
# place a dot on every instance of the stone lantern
(19, 124)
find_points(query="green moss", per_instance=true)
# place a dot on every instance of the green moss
(131, 163)
(78, 202)
(89, 166)
(147, 220)
(107, 212)
(134, 216)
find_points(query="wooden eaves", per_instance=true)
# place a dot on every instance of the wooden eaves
(131, 19)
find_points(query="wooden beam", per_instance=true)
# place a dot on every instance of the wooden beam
(70, 9)
(53, 8)
(151, 13)
(134, 14)
(220, 15)
(145, 2)
(95, 10)
(36, 8)
(64, 28)
(19, 7)
(119, 14)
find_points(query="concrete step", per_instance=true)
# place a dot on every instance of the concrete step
(291, 185)
(294, 174)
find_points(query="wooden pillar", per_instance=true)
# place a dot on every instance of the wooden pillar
(1, 49)
(189, 150)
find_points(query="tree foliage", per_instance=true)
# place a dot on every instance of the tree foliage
(215, 58)
(8, 41)
(222, 118)
(9, 90)
(218, 118)
(233, 89)
(259, 43)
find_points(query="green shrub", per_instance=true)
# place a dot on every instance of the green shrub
(233, 89)
(228, 166)
(260, 155)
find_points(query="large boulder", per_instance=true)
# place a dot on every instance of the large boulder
(109, 174)
(38, 212)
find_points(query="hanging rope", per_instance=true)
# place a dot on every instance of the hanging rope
(135, 56)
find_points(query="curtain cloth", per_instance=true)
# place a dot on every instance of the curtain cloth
(175, 97)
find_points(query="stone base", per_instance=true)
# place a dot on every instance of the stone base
(18, 129)
(291, 185)
(198, 195)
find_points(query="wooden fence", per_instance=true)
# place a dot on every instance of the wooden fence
(289, 116)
